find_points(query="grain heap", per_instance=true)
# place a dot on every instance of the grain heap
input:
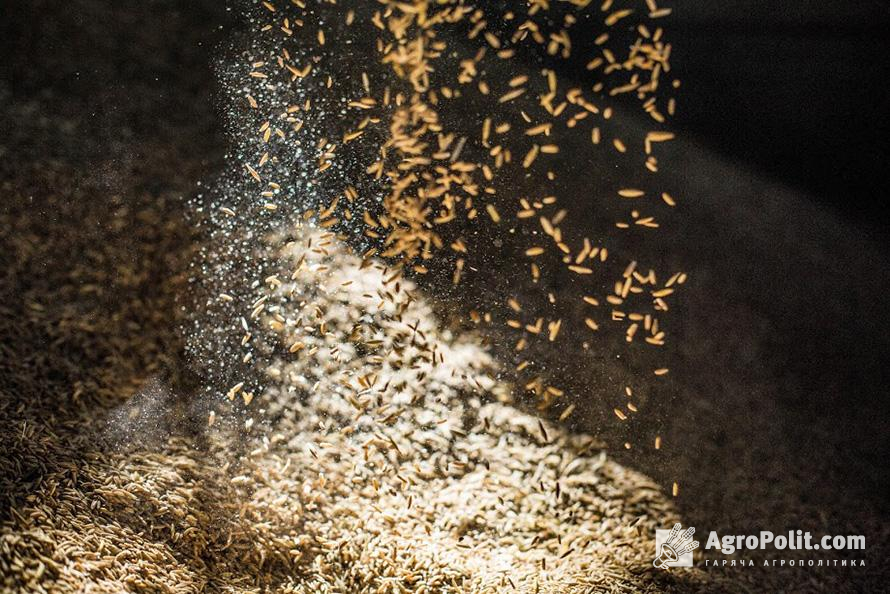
(399, 471)
(348, 441)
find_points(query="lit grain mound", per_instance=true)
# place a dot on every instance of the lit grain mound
(431, 484)
(384, 462)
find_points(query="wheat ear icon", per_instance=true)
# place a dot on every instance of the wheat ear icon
(677, 544)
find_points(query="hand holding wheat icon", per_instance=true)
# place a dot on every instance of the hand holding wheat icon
(677, 544)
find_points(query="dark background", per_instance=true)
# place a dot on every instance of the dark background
(798, 89)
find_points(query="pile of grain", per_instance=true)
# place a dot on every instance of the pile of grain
(346, 439)
(423, 480)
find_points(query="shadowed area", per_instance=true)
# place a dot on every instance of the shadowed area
(99, 149)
